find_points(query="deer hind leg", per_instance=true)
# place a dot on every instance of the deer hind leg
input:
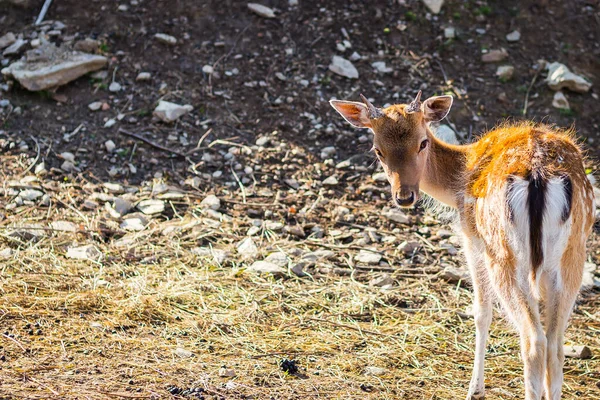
(482, 309)
(523, 309)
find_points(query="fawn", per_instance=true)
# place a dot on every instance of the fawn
(525, 209)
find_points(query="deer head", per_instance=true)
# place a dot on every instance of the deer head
(401, 138)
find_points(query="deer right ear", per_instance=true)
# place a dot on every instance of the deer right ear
(355, 113)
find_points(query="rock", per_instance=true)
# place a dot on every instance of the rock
(143, 76)
(247, 249)
(298, 269)
(30, 194)
(7, 40)
(589, 280)
(261, 10)
(574, 351)
(409, 248)
(446, 134)
(394, 214)
(295, 230)
(451, 250)
(330, 181)
(383, 281)
(453, 274)
(375, 371)
(113, 187)
(368, 257)
(493, 56)
(355, 56)
(87, 45)
(6, 253)
(450, 32)
(208, 69)
(122, 206)
(560, 101)
(318, 255)
(167, 39)
(134, 224)
(15, 48)
(88, 252)
(505, 72)
(328, 152)
(381, 67)
(63, 226)
(278, 258)
(110, 146)
(514, 36)
(95, 106)
(114, 87)
(380, 177)
(183, 353)
(219, 256)
(211, 201)
(151, 206)
(170, 112)
(226, 372)
(49, 66)
(435, 6)
(343, 67)
(559, 77)
(265, 267)
(68, 166)
(110, 123)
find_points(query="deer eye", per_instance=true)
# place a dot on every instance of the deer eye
(378, 153)
(423, 144)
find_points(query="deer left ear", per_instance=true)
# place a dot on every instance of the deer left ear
(436, 108)
(356, 114)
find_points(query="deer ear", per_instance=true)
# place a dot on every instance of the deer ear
(436, 108)
(355, 113)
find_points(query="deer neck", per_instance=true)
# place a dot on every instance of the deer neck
(445, 171)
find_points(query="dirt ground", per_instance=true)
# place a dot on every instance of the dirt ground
(151, 313)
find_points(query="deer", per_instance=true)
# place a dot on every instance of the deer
(525, 209)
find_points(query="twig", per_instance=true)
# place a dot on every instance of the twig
(240, 184)
(151, 143)
(198, 148)
(529, 89)
(37, 156)
(43, 12)
(442, 68)
(347, 326)
(16, 341)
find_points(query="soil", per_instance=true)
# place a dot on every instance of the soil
(255, 139)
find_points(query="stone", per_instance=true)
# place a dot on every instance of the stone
(30, 194)
(575, 351)
(7, 40)
(122, 206)
(560, 101)
(261, 10)
(589, 280)
(110, 146)
(15, 48)
(505, 72)
(514, 36)
(88, 252)
(298, 269)
(380, 177)
(167, 39)
(68, 166)
(446, 134)
(6, 253)
(278, 258)
(63, 226)
(384, 281)
(211, 201)
(294, 230)
(114, 87)
(110, 123)
(247, 249)
(208, 69)
(133, 224)
(113, 187)
(409, 247)
(49, 66)
(394, 214)
(454, 275)
(381, 67)
(171, 112)
(435, 6)
(341, 66)
(559, 77)
(375, 371)
(265, 267)
(226, 372)
(219, 256)
(450, 32)
(87, 45)
(318, 255)
(330, 181)
(151, 206)
(95, 106)
(368, 257)
(493, 56)
(328, 152)
(183, 353)
(143, 76)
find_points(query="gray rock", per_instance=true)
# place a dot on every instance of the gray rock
(49, 66)
(134, 224)
(446, 134)
(247, 249)
(6, 253)
(264, 267)
(110, 146)
(493, 56)
(318, 255)
(298, 269)
(385, 281)
(394, 214)
(278, 258)
(560, 101)
(226, 372)
(589, 280)
(505, 72)
(87, 45)
(113, 187)
(88, 252)
(368, 257)
(453, 274)
(261, 10)
(15, 48)
(381, 67)
(183, 353)
(375, 371)
(68, 166)
(514, 36)
(143, 76)
(151, 206)
(63, 226)
(435, 6)
(167, 39)
(559, 77)
(7, 40)
(122, 206)
(170, 112)
(30, 194)
(211, 201)
(328, 152)
(380, 177)
(450, 32)
(114, 87)
(110, 123)
(409, 247)
(95, 106)
(330, 181)
(575, 351)
(343, 67)
(219, 256)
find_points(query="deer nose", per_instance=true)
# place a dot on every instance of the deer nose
(405, 201)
